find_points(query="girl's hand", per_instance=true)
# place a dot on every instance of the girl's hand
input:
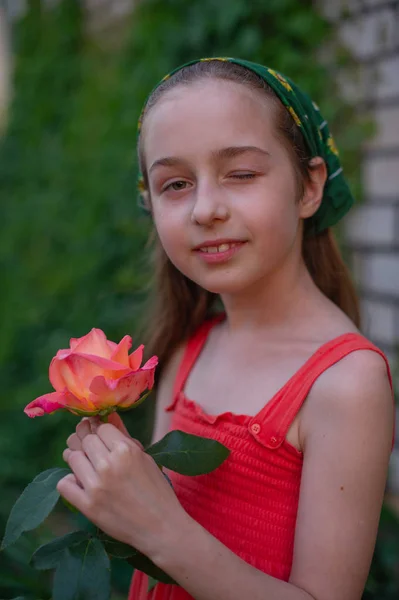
(119, 487)
(90, 425)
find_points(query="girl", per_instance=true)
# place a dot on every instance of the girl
(243, 182)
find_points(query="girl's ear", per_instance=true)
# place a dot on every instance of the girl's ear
(313, 193)
(145, 201)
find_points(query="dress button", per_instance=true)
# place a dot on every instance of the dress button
(255, 428)
(273, 440)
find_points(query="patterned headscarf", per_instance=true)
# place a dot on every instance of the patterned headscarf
(337, 197)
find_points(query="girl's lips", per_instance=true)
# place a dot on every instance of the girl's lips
(219, 257)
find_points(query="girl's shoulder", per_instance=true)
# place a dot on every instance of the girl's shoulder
(357, 388)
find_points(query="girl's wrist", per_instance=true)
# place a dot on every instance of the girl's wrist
(172, 541)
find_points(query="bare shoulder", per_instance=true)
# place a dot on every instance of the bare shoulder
(355, 389)
(361, 373)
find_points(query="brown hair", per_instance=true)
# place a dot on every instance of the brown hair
(179, 305)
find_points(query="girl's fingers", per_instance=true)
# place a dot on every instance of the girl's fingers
(117, 422)
(113, 418)
(70, 489)
(74, 442)
(113, 437)
(66, 453)
(83, 428)
(96, 452)
(82, 468)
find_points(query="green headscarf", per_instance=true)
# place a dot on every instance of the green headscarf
(337, 197)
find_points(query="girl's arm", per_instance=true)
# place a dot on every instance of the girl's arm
(347, 428)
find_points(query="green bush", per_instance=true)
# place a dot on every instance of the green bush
(72, 241)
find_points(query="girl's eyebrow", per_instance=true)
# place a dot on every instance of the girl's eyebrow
(233, 151)
(229, 152)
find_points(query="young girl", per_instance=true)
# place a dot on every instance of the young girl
(243, 182)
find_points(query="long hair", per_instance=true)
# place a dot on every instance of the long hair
(178, 304)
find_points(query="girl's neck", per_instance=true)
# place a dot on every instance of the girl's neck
(286, 302)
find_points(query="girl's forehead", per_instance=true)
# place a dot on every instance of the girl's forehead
(210, 108)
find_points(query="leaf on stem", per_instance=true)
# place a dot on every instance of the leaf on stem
(83, 572)
(115, 548)
(134, 557)
(188, 454)
(152, 582)
(34, 504)
(49, 555)
(142, 563)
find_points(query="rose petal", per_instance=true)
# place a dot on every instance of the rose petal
(49, 403)
(102, 392)
(130, 387)
(55, 375)
(123, 392)
(151, 363)
(136, 358)
(120, 353)
(66, 374)
(104, 366)
(95, 342)
(73, 342)
(78, 371)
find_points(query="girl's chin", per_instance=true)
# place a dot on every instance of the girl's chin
(227, 285)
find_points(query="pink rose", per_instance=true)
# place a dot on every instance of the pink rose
(95, 376)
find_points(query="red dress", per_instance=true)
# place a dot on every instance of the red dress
(250, 502)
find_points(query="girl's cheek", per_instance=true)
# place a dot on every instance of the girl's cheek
(169, 212)
(169, 228)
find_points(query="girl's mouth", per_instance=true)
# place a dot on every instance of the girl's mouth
(219, 253)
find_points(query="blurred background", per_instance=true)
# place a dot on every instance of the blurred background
(74, 75)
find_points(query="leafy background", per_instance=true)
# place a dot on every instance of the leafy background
(72, 241)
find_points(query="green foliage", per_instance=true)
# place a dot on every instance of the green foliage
(383, 582)
(72, 242)
(34, 505)
(83, 572)
(49, 555)
(188, 454)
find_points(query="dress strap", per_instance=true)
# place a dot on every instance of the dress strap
(190, 355)
(271, 424)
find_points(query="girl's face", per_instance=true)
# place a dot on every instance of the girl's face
(222, 185)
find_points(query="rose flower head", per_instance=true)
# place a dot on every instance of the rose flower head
(96, 376)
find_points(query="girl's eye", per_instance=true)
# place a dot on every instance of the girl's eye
(176, 186)
(244, 175)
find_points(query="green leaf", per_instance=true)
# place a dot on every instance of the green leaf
(49, 555)
(134, 557)
(83, 573)
(188, 454)
(152, 582)
(142, 563)
(34, 505)
(115, 548)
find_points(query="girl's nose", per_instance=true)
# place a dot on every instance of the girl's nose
(209, 205)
